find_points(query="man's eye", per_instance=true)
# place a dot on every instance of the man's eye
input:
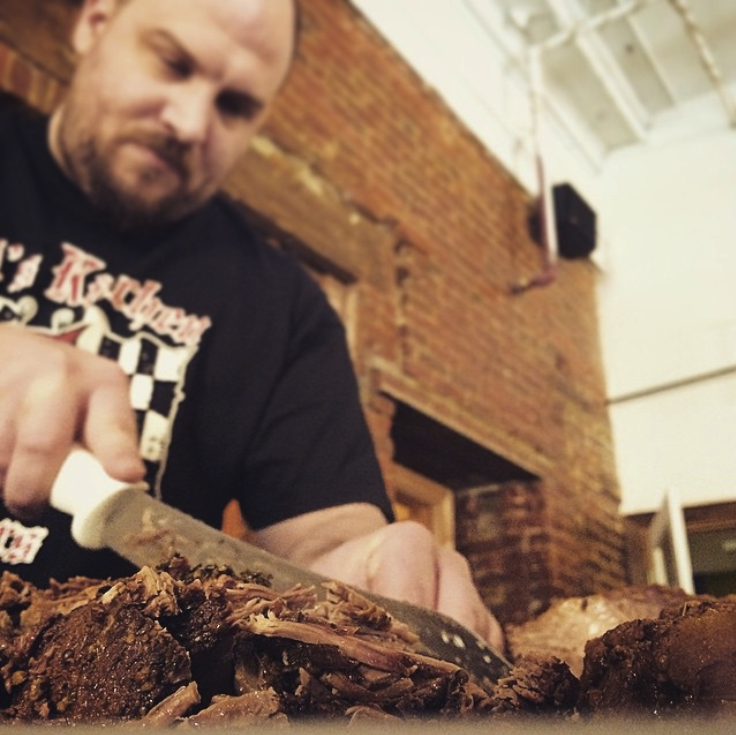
(176, 66)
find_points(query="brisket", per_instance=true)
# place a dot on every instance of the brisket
(206, 646)
(568, 624)
(684, 660)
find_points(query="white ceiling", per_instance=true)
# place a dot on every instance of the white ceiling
(611, 74)
(624, 68)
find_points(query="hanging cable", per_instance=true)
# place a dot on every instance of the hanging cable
(706, 57)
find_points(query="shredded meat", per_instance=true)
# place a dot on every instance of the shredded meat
(182, 646)
(537, 686)
(205, 646)
(243, 709)
(174, 707)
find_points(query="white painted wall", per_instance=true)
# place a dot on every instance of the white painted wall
(668, 310)
(666, 251)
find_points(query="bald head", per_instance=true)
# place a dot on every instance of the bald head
(296, 24)
(167, 97)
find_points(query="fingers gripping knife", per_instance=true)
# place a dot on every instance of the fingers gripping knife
(145, 531)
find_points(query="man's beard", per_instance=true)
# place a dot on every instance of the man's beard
(127, 208)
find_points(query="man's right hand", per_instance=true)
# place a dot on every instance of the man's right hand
(53, 395)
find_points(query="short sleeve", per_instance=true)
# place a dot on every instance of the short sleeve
(312, 449)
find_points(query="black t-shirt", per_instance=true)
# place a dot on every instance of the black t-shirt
(239, 372)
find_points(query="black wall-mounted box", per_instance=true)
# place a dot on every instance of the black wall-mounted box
(576, 223)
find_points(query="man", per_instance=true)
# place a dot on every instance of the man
(146, 322)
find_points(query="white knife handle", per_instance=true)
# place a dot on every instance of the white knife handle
(86, 492)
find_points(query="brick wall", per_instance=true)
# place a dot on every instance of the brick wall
(376, 182)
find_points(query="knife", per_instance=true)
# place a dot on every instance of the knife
(147, 532)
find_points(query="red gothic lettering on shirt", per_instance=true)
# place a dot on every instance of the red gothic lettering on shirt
(68, 286)
(78, 282)
(139, 302)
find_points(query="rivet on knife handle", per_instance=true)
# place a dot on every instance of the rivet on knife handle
(86, 492)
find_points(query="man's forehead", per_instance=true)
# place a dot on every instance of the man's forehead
(249, 8)
(267, 27)
(247, 12)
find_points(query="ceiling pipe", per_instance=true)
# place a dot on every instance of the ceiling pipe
(674, 385)
(706, 57)
(592, 23)
(603, 64)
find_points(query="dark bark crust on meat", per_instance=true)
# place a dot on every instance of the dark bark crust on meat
(206, 646)
(684, 660)
(73, 661)
(203, 646)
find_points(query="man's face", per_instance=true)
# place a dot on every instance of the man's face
(167, 97)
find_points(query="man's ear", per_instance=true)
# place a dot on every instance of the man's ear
(91, 22)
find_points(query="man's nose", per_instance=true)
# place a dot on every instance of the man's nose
(188, 114)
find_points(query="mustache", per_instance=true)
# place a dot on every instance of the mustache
(175, 153)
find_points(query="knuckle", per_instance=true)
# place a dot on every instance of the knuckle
(411, 532)
(110, 373)
(37, 447)
(407, 538)
(60, 365)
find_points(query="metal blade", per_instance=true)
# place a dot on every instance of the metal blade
(148, 532)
